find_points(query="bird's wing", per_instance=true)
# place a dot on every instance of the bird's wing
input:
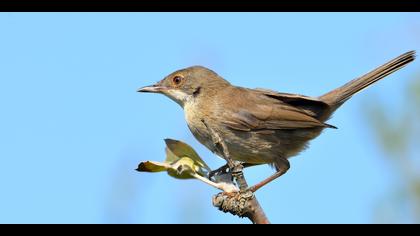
(254, 110)
(311, 105)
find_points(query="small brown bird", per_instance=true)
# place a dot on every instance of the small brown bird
(258, 126)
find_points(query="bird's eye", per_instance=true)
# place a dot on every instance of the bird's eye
(177, 80)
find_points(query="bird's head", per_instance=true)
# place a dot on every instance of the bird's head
(186, 84)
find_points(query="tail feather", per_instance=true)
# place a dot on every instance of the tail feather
(338, 96)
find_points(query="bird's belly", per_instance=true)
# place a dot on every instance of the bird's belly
(258, 147)
(248, 147)
(245, 149)
(266, 146)
(240, 150)
(252, 147)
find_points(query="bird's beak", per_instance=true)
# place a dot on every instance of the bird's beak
(152, 89)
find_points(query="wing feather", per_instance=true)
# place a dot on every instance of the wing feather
(259, 111)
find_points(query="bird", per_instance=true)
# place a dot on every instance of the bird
(258, 126)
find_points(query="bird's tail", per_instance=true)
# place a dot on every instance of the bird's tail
(338, 96)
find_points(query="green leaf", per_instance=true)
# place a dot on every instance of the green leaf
(181, 149)
(181, 162)
(153, 166)
(183, 168)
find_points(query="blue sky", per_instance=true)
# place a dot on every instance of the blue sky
(73, 128)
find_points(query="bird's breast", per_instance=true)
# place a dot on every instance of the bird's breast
(194, 117)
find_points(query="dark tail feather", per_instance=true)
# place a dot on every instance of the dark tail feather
(338, 96)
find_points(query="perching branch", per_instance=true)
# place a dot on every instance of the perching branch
(182, 162)
(242, 203)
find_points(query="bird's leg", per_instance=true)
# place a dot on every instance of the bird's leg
(282, 165)
(234, 166)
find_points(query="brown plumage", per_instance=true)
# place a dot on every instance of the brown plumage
(258, 125)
